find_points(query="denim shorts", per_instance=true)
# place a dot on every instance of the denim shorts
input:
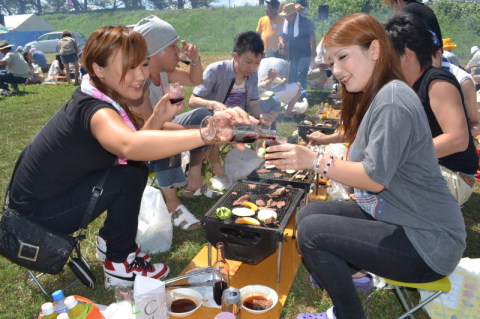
(69, 58)
(169, 170)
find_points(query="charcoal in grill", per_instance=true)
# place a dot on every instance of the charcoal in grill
(248, 243)
(272, 177)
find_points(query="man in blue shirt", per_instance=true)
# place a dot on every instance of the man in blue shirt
(39, 58)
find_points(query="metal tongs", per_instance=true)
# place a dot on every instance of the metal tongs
(206, 270)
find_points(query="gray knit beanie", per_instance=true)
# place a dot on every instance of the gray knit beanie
(158, 33)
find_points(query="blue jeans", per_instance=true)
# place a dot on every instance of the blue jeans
(299, 70)
(121, 197)
(337, 239)
(168, 171)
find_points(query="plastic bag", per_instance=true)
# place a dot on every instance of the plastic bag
(463, 299)
(238, 164)
(155, 230)
(336, 190)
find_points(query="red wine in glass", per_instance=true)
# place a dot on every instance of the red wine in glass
(249, 134)
(218, 289)
(177, 100)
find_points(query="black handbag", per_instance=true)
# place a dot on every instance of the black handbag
(33, 246)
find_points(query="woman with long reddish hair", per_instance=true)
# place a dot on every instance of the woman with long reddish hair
(96, 132)
(403, 224)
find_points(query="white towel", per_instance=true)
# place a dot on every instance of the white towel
(295, 26)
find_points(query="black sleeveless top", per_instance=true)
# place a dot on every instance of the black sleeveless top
(466, 161)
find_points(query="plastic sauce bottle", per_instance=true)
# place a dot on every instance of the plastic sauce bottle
(63, 316)
(59, 299)
(48, 312)
(76, 309)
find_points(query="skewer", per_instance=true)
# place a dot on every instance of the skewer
(316, 184)
(294, 175)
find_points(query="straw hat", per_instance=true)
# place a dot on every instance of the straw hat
(5, 45)
(66, 33)
(448, 44)
(289, 9)
(387, 2)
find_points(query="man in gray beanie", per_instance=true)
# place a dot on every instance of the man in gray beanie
(164, 54)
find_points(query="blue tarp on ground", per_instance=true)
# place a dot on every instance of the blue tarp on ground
(21, 37)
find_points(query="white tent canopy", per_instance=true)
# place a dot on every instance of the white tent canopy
(27, 22)
(24, 28)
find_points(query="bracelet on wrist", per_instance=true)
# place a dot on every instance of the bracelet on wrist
(196, 61)
(316, 162)
(327, 167)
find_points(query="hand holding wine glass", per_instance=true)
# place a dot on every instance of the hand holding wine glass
(176, 93)
(188, 53)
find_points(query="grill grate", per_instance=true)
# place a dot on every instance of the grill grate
(272, 176)
(259, 192)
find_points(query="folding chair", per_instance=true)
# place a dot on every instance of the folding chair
(30, 277)
(440, 286)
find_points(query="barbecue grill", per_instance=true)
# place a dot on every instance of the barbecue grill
(327, 126)
(248, 243)
(272, 176)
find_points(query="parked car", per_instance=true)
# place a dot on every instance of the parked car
(47, 43)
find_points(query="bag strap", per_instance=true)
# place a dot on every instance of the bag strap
(6, 200)
(97, 191)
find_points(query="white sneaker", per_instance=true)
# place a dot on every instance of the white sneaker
(123, 274)
(221, 182)
(101, 253)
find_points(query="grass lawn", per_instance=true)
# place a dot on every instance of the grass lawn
(21, 118)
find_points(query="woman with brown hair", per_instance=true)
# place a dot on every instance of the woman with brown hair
(403, 224)
(94, 133)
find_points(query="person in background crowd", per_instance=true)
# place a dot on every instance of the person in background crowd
(298, 38)
(269, 28)
(473, 66)
(467, 84)
(39, 58)
(304, 10)
(442, 100)
(19, 49)
(273, 76)
(424, 13)
(401, 204)
(69, 50)
(231, 83)
(96, 135)
(34, 76)
(17, 69)
(475, 60)
(56, 69)
(448, 47)
(320, 73)
(162, 43)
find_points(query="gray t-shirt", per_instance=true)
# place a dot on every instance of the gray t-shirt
(157, 92)
(395, 147)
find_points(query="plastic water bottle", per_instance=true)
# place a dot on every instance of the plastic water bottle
(59, 299)
(76, 309)
(63, 315)
(48, 312)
